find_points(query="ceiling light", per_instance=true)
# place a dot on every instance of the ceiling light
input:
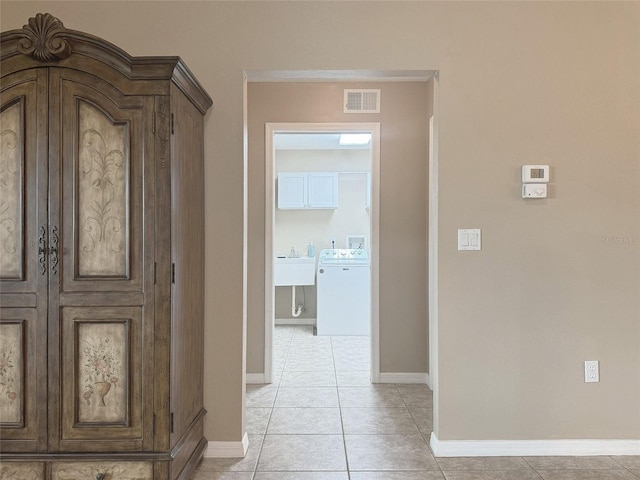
(355, 138)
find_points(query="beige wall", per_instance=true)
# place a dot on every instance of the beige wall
(520, 82)
(403, 214)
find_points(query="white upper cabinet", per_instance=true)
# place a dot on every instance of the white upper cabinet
(292, 190)
(308, 190)
(322, 190)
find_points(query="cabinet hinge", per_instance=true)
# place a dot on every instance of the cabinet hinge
(171, 422)
(153, 124)
(173, 273)
(172, 132)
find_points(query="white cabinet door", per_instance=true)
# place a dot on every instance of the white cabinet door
(292, 190)
(323, 190)
(307, 190)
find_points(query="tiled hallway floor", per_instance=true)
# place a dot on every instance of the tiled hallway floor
(321, 419)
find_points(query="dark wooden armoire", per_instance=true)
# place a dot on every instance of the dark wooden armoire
(101, 259)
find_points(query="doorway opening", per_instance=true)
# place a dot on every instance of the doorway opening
(405, 312)
(321, 266)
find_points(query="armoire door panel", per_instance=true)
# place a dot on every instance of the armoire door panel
(12, 373)
(20, 383)
(12, 251)
(101, 213)
(23, 286)
(103, 366)
(102, 379)
(102, 181)
(23, 182)
(99, 301)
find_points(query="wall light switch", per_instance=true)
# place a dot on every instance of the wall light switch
(469, 239)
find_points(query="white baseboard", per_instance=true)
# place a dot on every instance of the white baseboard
(400, 377)
(228, 449)
(295, 321)
(254, 378)
(532, 448)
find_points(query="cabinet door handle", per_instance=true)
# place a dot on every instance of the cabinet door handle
(42, 250)
(54, 250)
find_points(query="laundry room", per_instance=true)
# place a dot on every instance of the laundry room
(322, 217)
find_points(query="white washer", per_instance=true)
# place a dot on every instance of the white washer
(344, 292)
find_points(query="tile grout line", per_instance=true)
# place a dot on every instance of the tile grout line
(344, 440)
(532, 467)
(613, 459)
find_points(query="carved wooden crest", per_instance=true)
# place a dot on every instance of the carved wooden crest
(44, 38)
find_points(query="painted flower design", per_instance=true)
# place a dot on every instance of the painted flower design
(8, 373)
(101, 366)
(105, 168)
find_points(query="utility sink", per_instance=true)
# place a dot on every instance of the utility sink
(291, 271)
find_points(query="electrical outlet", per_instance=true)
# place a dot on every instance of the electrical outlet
(591, 371)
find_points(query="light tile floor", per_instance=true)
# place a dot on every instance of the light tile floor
(322, 419)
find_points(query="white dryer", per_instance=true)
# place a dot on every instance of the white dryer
(344, 292)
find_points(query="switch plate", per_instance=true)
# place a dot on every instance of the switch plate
(591, 371)
(469, 239)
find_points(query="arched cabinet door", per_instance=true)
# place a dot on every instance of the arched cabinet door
(101, 285)
(23, 261)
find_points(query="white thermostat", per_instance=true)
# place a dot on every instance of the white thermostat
(535, 174)
(534, 190)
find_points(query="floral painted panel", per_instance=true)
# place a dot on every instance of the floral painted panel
(11, 192)
(103, 372)
(102, 194)
(21, 470)
(111, 471)
(11, 364)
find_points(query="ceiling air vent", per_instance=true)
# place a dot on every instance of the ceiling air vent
(362, 101)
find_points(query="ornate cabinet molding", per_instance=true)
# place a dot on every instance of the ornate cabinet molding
(101, 355)
(44, 38)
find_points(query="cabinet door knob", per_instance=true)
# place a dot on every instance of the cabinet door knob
(100, 476)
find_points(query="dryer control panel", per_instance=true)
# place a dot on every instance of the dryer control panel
(332, 256)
